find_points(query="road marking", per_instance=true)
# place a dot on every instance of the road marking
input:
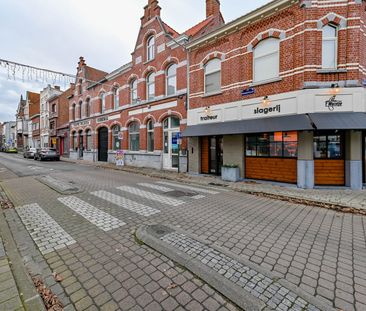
(196, 189)
(130, 205)
(198, 197)
(44, 230)
(102, 220)
(156, 187)
(151, 196)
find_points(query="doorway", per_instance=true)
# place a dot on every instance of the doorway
(171, 139)
(81, 145)
(103, 144)
(212, 155)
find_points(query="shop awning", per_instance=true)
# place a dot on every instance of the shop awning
(275, 124)
(339, 120)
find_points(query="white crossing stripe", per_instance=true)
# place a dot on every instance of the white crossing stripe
(156, 187)
(132, 206)
(196, 189)
(44, 230)
(198, 197)
(102, 220)
(151, 196)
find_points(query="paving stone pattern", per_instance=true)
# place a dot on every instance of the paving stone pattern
(196, 189)
(273, 294)
(132, 206)
(102, 220)
(2, 250)
(45, 231)
(151, 196)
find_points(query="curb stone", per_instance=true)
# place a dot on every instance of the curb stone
(152, 236)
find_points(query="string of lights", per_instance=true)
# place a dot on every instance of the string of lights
(25, 72)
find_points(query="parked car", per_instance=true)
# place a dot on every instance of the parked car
(47, 154)
(29, 153)
(12, 150)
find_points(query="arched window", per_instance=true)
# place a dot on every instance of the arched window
(150, 52)
(330, 47)
(134, 136)
(115, 98)
(133, 88)
(213, 76)
(150, 86)
(73, 113)
(116, 144)
(267, 60)
(102, 102)
(87, 108)
(150, 136)
(88, 140)
(80, 109)
(74, 141)
(80, 86)
(171, 80)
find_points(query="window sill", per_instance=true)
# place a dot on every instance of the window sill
(212, 94)
(325, 71)
(148, 61)
(268, 81)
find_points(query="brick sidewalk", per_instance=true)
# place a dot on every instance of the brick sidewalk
(9, 295)
(336, 198)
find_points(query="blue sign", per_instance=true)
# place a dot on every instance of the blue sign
(174, 140)
(179, 135)
(247, 92)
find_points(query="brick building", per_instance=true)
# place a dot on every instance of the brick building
(59, 133)
(280, 93)
(141, 107)
(33, 102)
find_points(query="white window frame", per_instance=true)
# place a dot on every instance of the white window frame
(213, 72)
(270, 53)
(130, 133)
(150, 49)
(115, 98)
(102, 98)
(134, 90)
(170, 77)
(115, 133)
(335, 39)
(148, 84)
(150, 130)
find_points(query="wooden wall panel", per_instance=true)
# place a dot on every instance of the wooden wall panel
(205, 157)
(329, 172)
(273, 169)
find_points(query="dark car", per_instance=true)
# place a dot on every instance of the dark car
(29, 153)
(47, 154)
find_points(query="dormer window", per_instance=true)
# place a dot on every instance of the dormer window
(150, 48)
(329, 47)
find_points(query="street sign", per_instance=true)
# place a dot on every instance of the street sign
(248, 91)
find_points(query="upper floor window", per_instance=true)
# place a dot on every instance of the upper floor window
(134, 97)
(80, 109)
(53, 108)
(150, 48)
(171, 80)
(115, 98)
(102, 103)
(267, 60)
(150, 86)
(329, 47)
(213, 76)
(80, 86)
(73, 115)
(87, 108)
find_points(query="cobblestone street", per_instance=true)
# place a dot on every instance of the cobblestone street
(88, 238)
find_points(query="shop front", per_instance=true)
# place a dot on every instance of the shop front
(290, 141)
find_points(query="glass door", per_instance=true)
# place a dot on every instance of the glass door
(170, 141)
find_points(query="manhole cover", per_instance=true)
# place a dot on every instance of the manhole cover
(178, 194)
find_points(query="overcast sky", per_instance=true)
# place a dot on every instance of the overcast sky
(53, 34)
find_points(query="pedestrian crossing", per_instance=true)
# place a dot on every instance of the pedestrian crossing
(102, 220)
(130, 205)
(49, 236)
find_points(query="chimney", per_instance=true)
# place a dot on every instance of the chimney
(212, 8)
(81, 62)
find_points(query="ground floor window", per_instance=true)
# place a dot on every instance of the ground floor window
(134, 136)
(115, 137)
(329, 145)
(74, 141)
(88, 140)
(277, 145)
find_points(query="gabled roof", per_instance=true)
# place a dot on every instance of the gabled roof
(170, 30)
(191, 32)
(34, 98)
(93, 74)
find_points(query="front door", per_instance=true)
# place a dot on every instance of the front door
(103, 144)
(81, 146)
(216, 155)
(171, 149)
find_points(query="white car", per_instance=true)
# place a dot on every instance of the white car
(29, 154)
